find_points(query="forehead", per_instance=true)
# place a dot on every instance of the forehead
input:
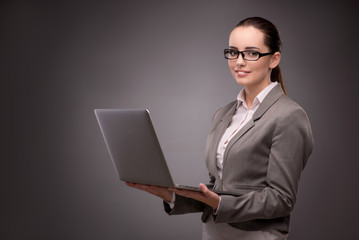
(242, 37)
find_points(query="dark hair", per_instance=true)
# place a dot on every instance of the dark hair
(271, 40)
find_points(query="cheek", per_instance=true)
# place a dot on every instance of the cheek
(261, 67)
(231, 65)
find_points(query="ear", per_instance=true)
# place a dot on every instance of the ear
(275, 60)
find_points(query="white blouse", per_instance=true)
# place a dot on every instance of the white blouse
(239, 119)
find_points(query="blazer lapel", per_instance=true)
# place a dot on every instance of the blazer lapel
(241, 132)
(267, 102)
(221, 128)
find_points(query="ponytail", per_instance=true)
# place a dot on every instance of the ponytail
(276, 76)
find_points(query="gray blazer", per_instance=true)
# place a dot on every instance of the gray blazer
(263, 162)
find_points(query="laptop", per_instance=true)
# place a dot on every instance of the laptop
(134, 148)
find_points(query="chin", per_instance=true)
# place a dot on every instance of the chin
(243, 82)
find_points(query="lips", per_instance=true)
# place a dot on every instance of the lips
(242, 73)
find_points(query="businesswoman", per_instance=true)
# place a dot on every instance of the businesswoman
(258, 146)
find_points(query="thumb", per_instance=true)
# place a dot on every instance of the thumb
(212, 199)
(204, 189)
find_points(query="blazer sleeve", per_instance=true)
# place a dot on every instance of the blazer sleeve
(292, 144)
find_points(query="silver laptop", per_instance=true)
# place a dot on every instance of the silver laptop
(134, 148)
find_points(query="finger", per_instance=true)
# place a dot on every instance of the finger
(158, 188)
(141, 187)
(212, 198)
(130, 184)
(205, 190)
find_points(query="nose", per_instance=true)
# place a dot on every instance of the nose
(240, 61)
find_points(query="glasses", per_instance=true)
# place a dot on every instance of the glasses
(248, 55)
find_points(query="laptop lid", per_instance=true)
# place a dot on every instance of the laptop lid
(133, 146)
(135, 150)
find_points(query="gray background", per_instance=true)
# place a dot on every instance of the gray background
(60, 61)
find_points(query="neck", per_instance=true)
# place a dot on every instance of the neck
(252, 91)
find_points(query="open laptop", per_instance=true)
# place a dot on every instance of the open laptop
(134, 148)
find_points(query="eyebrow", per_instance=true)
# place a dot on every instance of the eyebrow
(245, 48)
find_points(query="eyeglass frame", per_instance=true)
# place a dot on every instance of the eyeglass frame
(242, 53)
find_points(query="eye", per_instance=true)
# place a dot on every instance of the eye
(252, 53)
(232, 52)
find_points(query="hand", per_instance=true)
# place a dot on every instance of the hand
(206, 196)
(161, 192)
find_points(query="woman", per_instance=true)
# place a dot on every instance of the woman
(258, 146)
